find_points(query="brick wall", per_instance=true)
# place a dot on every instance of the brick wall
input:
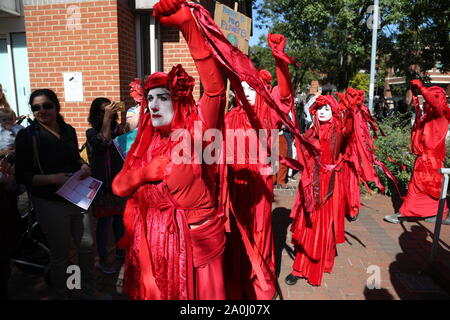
(94, 47)
(127, 51)
(174, 50)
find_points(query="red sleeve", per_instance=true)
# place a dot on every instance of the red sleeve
(283, 78)
(433, 101)
(214, 89)
(284, 103)
(207, 68)
(212, 103)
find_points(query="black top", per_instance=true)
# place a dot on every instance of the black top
(11, 225)
(104, 159)
(55, 156)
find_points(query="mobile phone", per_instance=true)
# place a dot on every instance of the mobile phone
(121, 106)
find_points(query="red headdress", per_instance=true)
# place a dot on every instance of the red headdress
(440, 101)
(266, 76)
(325, 100)
(180, 85)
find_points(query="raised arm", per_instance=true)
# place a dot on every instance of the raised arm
(277, 43)
(172, 13)
(430, 97)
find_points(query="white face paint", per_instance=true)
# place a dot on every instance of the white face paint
(250, 93)
(160, 106)
(324, 113)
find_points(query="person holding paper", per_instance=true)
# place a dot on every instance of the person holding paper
(106, 162)
(46, 156)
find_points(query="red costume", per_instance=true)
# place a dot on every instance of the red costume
(359, 155)
(174, 236)
(250, 269)
(315, 233)
(347, 158)
(428, 143)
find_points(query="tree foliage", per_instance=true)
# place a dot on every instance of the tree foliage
(360, 81)
(333, 38)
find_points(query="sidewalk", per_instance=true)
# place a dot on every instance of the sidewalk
(400, 252)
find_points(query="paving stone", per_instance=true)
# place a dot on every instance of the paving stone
(400, 251)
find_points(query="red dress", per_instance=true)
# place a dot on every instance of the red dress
(174, 235)
(167, 258)
(250, 272)
(428, 143)
(314, 233)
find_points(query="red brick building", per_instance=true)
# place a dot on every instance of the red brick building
(109, 42)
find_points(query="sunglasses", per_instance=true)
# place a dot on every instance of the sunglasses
(44, 106)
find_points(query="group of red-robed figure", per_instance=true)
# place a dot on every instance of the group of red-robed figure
(198, 231)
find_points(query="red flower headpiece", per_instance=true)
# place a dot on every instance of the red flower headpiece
(266, 76)
(325, 100)
(156, 80)
(180, 83)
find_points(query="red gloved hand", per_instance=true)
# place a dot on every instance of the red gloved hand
(416, 86)
(342, 101)
(352, 96)
(276, 41)
(170, 13)
(154, 171)
(360, 98)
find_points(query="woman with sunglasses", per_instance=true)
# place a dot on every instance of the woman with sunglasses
(46, 156)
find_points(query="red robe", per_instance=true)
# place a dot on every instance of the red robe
(317, 229)
(250, 267)
(166, 257)
(173, 232)
(428, 143)
(314, 233)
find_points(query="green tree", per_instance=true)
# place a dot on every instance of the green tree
(360, 81)
(422, 40)
(334, 37)
(262, 58)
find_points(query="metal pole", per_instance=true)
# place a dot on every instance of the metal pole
(374, 54)
(437, 228)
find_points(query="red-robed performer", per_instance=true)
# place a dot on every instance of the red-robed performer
(359, 160)
(428, 143)
(250, 258)
(315, 233)
(174, 236)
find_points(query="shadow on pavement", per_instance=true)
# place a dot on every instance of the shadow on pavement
(377, 294)
(353, 237)
(410, 273)
(280, 225)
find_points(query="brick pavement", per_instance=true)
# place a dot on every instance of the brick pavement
(400, 252)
